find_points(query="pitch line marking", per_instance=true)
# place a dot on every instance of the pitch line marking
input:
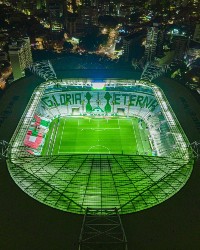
(100, 146)
(141, 139)
(55, 136)
(50, 140)
(137, 149)
(98, 129)
(61, 136)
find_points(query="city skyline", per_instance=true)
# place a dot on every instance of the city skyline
(99, 115)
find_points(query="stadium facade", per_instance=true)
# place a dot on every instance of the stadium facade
(75, 181)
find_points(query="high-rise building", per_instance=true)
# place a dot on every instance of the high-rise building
(40, 4)
(160, 42)
(127, 48)
(27, 6)
(94, 2)
(180, 45)
(132, 47)
(154, 42)
(57, 14)
(86, 2)
(151, 43)
(104, 7)
(196, 36)
(89, 16)
(20, 56)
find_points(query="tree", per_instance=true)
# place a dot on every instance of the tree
(109, 21)
(102, 39)
(89, 42)
(67, 46)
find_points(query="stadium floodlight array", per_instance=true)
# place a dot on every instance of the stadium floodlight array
(75, 181)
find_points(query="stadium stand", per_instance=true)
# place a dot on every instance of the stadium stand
(136, 100)
(131, 100)
(73, 182)
(35, 137)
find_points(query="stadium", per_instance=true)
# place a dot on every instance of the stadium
(84, 143)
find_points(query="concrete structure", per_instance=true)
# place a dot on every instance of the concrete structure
(3, 56)
(180, 45)
(25, 216)
(150, 48)
(196, 36)
(89, 16)
(132, 48)
(128, 48)
(40, 4)
(57, 14)
(20, 56)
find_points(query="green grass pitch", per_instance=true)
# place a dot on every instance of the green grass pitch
(97, 136)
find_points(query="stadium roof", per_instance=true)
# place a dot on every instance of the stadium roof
(72, 67)
(128, 182)
(98, 74)
(74, 182)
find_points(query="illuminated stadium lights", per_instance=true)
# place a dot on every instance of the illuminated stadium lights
(98, 85)
(81, 170)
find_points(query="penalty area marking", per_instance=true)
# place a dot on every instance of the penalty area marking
(98, 146)
(95, 129)
(99, 129)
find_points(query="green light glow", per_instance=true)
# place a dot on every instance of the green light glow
(128, 178)
(97, 136)
(74, 182)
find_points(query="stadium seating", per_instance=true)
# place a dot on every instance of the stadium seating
(35, 137)
(54, 104)
(73, 181)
